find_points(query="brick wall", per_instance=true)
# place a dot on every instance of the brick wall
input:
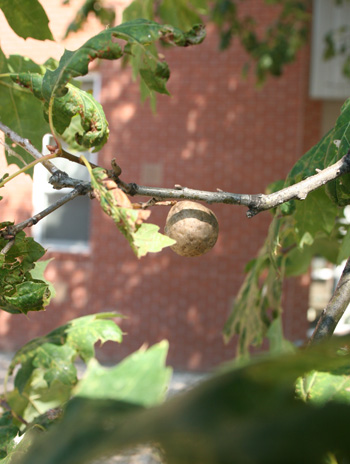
(215, 131)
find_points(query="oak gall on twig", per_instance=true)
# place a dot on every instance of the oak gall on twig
(193, 226)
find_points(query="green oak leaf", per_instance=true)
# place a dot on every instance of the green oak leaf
(8, 431)
(105, 15)
(315, 215)
(57, 362)
(83, 333)
(20, 110)
(183, 13)
(278, 344)
(27, 18)
(27, 296)
(20, 291)
(147, 239)
(321, 387)
(46, 373)
(139, 35)
(75, 102)
(141, 378)
(139, 9)
(332, 147)
(38, 271)
(258, 302)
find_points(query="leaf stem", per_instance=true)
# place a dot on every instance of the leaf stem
(53, 132)
(76, 159)
(27, 167)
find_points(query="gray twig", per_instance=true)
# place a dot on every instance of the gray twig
(335, 309)
(27, 146)
(255, 203)
(13, 230)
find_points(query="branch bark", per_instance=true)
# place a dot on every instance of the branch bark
(334, 310)
(27, 145)
(11, 231)
(255, 203)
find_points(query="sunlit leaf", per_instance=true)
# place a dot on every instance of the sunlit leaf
(141, 378)
(27, 18)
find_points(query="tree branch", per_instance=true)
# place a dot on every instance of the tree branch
(255, 203)
(335, 309)
(27, 146)
(11, 231)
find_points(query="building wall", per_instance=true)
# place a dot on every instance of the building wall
(215, 131)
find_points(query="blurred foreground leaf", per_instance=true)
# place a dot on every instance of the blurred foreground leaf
(249, 414)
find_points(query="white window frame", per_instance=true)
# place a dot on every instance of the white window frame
(326, 78)
(41, 188)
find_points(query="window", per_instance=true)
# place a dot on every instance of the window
(68, 228)
(327, 80)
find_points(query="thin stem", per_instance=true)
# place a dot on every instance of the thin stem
(79, 190)
(27, 146)
(12, 152)
(27, 167)
(51, 123)
(75, 159)
(335, 309)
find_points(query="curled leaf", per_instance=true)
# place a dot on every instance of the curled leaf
(75, 102)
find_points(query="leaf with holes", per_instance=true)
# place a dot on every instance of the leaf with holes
(75, 102)
(138, 35)
(21, 292)
(47, 373)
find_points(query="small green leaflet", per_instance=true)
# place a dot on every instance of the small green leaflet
(141, 378)
(27, 18)
(143, 238)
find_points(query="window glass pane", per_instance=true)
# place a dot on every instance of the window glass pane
(71, 222)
